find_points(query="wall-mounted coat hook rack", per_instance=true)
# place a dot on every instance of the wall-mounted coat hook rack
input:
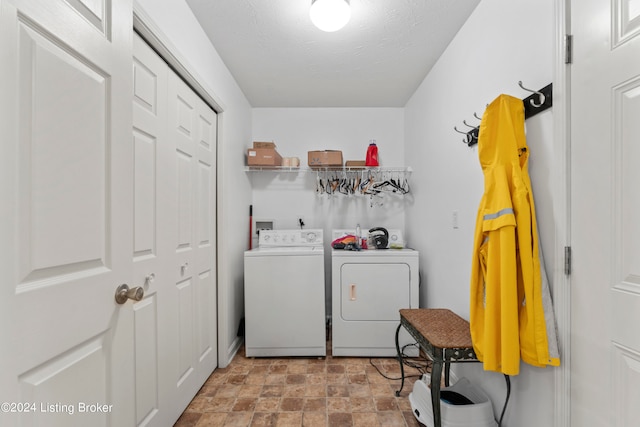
(535, 103)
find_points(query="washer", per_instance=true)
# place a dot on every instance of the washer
(284, 294)
(369, 287)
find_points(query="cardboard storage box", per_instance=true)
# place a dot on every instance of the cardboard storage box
(355, 163)
(263, 157)
(324, 159)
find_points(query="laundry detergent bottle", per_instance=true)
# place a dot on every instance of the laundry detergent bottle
(372, 154)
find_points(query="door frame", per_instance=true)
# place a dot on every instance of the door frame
(144, 25)
(561, 291)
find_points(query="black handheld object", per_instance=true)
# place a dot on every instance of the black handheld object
(379, 237)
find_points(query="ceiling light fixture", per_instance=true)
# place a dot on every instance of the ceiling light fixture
(330, 15)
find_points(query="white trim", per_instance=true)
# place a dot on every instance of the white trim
(562, 141)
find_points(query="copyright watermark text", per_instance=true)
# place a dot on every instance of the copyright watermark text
(56, 408)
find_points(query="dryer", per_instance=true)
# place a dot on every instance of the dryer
(369, 287)
(284, 293)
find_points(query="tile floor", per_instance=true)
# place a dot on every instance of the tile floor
(330, 391)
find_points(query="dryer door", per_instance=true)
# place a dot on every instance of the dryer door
(374, 291)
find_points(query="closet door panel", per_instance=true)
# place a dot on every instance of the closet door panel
(151, 220)
(193, 131)
(205, 235)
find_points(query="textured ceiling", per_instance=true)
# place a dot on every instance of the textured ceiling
(378, 59)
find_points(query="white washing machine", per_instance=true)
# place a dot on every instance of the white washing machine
(284, 294)
(369, 288)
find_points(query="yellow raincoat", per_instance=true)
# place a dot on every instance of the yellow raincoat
(511, 314)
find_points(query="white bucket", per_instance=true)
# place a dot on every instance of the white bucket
(478, 414)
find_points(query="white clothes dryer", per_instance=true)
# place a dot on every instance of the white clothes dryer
(369, 287)
(284, 294)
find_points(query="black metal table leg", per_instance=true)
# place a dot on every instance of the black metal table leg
(399, 359)
(436, 377)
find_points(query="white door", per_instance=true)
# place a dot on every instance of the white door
(193, 132)
(152, 252)
(605, 196)
(174, 135)
(65, 206)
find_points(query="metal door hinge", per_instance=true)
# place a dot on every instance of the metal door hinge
(567, 260)
(568, 49)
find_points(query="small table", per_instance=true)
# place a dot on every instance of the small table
(445, 337)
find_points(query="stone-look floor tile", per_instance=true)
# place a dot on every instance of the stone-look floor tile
(340, 419)
(267, 404)
(240, 369)
(220, 404)
(275, 379)
(228, 390)
(315, 391)
(272, 390)
(362, 404)
(391, 419)
(259, 369)
(404, 404)
(376, 378)
(250, 391)
(256, 379)
(335, 369)
(381, 390)
(359, 390)
(207, 390)
(338, 404)
(297, 369)
(317, 368)
(292, 404)
(289, 419)
(357, 379)
(296, 390)
(198, 404)
(314, 419)
(385, 404)
(296, 379)
(264, 419)
(245, 404)
(315, 404)
(258, 361)
(336, 378)
(277, 369)
(238, 419)
(212, 419)
(337, 391)
(188, 419)
(316, 378)
(236, 378)
(355, 368)
(365, 419)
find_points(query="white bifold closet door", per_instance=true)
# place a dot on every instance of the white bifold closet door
(174, 137)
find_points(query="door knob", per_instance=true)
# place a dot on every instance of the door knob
(124, 293)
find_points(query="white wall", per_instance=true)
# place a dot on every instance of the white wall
(283, 197)
(181, 29)
(502, 42)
